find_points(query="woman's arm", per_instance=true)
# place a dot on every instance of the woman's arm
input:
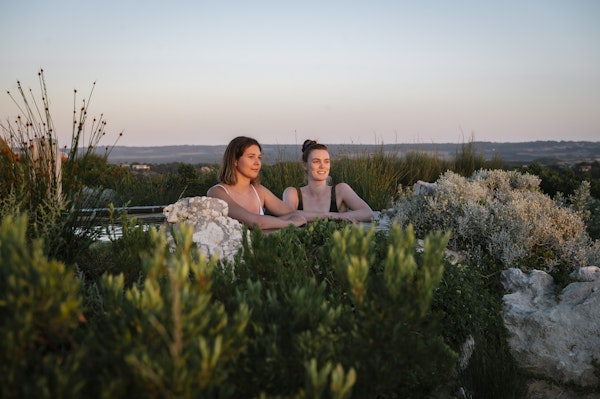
(250, 219)
(290, 197)
(359, 210)
(274, 204)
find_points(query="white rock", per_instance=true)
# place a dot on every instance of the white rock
(553, 337)
(588, 273)
(214, 232)
(424, 188)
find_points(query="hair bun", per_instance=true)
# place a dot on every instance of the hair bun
(307, 144)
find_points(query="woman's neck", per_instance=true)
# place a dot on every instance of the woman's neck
(241, 185)
(318, 187)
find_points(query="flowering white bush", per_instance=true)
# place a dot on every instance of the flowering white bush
(501, 214)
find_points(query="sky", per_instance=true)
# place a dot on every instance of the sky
(342, 72)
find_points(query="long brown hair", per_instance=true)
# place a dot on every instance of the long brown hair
(235, 149)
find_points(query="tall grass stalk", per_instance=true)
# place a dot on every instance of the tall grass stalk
(374, 176)
(281, 175)
(419, 165)
(43, 181)
(467, 161)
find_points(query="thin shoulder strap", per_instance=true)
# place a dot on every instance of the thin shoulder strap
(257, 197)
(333, 206)
(300, 205)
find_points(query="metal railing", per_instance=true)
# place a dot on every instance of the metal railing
(149, 214)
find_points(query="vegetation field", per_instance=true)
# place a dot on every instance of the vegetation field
(330, 310)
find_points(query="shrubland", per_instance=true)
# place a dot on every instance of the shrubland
(503, 216)
(330, 310)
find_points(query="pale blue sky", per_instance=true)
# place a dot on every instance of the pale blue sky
(363, 72)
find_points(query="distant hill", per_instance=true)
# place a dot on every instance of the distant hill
(545, 152)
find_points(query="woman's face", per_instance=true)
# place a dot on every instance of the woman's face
(318, 165)
(248, 165)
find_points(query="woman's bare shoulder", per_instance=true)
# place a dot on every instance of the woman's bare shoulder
(343, 188)
(216, 190)
(290, 191)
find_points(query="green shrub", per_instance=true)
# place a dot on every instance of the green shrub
(581, 191)
(292, 324)
(93, 171)
(329, 311)
(168, 336)
(503, 215)
(167, 187)
(127, 241)
(586, 207)
(553, 181)
(332, 295)
(41, 310)
(326, 311)
(470, 301)
(164, 337)
(593, 225)
(155, 190)
(395, 341)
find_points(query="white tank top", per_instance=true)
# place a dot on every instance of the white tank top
(261, 210)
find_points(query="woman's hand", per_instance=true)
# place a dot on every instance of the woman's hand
(340, 216)
(294, 218)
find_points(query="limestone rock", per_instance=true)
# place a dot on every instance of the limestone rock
(589, 273)
(541, 389)
(215, 233)
(553, 337)
(424, 188)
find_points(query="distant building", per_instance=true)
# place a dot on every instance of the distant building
(136, 167)
(140, 167)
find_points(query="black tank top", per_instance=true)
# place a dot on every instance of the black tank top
(332, 206)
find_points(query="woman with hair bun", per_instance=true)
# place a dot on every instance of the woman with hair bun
(318, 198)
(246, 197)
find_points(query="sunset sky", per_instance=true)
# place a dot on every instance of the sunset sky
(362, 72)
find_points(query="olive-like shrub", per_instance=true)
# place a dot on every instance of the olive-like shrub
(504, 216)
(41, 313)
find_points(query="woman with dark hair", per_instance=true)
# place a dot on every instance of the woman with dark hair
(318, 198)
(247, 199)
